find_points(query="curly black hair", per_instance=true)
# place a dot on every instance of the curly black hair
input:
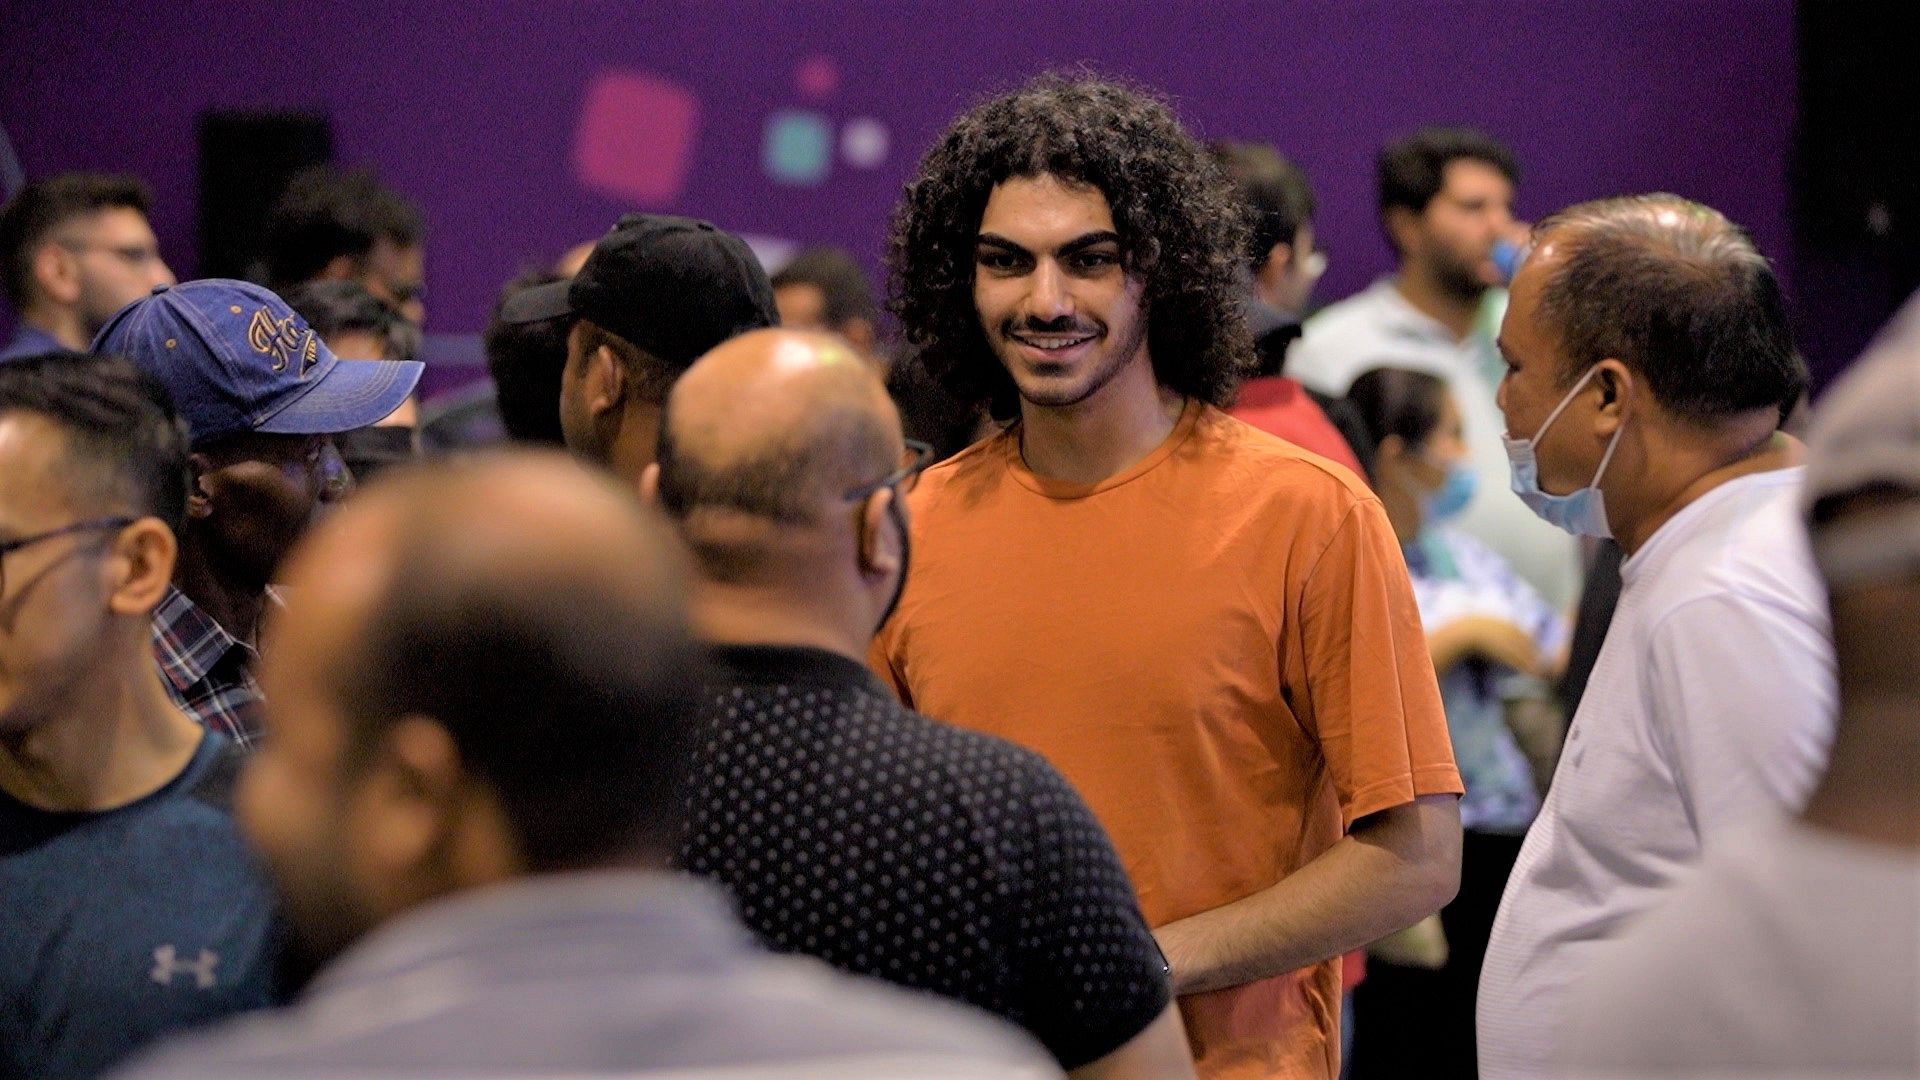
(1182, 232)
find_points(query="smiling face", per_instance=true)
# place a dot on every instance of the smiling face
(1053, 295)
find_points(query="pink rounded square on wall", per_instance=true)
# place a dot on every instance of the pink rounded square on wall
(636, 135)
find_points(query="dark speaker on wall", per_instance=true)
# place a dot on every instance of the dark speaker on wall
(246, 159)
(1856, 175)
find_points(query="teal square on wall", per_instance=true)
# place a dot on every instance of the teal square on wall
(798, 148)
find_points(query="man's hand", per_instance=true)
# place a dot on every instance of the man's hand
(1393, 869)
(1494, 639)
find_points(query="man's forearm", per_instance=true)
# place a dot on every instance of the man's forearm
(1392, 870)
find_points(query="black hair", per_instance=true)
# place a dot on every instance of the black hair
(327, 212)
(1396, 401)
(573, 693)
(1414, 169)
(39, 208)
(1180, 232)
(848, 293)
(1274, 192)
(127, 445)
(1680, 295)
(338, 307)
(928, 412)
(527, 361)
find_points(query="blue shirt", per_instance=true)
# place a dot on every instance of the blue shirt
(30, 340)
(1455, 576)
(120, 925)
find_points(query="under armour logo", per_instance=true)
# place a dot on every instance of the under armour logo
(167, 964)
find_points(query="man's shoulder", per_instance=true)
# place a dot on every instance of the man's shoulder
(1259, 464)
(1744, 546)
(871, 727)
(807, 1017)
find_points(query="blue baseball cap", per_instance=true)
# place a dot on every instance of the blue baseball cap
(237, 359)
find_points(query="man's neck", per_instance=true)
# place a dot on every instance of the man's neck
(1693, 472)
(1450, 309)
(236, 607)
(1871, 790)
(60, 324)
(1102, 436)
(119, 740)
(726, 614)
(636, 443)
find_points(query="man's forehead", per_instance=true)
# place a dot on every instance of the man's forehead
(32, 456)
(1045, 204)
(1471, 176)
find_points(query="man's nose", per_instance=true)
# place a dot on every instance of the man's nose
(162, 273)
(1049, 298)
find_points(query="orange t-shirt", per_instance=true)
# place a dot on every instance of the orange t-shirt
(1218, 647)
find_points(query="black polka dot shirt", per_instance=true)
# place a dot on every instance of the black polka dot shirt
(848, 828)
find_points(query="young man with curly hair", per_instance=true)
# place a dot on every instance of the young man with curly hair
(1209, 631)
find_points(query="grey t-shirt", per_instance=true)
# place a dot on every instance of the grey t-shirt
(1794, 951)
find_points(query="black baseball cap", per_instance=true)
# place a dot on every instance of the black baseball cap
(674, 286)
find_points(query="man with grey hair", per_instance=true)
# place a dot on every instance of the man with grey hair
(1820, 911)
(1648, 363)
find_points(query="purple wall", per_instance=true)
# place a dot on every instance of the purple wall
(475, 109)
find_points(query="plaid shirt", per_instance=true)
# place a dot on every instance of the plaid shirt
(208, 672)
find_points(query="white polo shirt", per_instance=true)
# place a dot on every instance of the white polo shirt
(1377, 327)
(1710, 709)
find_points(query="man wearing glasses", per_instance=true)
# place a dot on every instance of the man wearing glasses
(845, 826)
(74, 249)
(132, 906)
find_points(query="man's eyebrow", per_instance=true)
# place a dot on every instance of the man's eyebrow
(1092, 239)
(1073, 246)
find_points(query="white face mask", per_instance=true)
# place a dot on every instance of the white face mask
(1583, 512)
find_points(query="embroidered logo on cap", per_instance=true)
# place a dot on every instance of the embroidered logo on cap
(281, 341)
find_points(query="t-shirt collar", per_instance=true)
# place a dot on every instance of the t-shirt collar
(1068, 489)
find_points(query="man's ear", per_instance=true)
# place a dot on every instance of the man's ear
(860, 334)
(1274, 270)
(144, 555)
(410, 797)
(1617, 386)
(879, 539)
(1403, 227)
(339, 268)
(200, 485)
(606, 381)
(57, 273)
(650, 485)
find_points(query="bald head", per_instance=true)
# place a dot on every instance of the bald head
(777, 425)
(532, 609)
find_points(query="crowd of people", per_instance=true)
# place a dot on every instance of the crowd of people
(1093, 664)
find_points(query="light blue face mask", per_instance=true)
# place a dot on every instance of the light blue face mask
(1451, 497)
(1582, 513)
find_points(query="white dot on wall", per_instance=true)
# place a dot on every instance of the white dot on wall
(863, 142)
